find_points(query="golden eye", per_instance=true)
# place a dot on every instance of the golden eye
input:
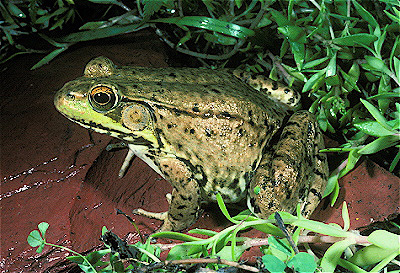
(103, 98)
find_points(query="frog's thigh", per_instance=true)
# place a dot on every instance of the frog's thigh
(184, 204)
(293, 172)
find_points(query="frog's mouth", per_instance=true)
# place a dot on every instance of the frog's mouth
(131, 138)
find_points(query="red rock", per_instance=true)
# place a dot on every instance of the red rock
(52, 171)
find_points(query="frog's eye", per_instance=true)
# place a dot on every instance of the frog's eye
(137, 117)
(103, 98)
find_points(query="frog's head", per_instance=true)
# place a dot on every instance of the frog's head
(95, 101)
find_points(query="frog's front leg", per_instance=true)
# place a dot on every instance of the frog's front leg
(293, 171)
(184, 203)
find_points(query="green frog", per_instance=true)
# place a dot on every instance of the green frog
(206, 132)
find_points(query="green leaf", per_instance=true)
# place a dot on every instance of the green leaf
(393, 17)
(175, 236)
(211, 24)
(331, 68)
(299, 51)
(49, 57)
(378, 64)
(332, 255)
(95, 256)
(376, 114)
(380, 144)
(373, 128)
(371, 255)
(365, 14)
(279, 18)
(395, 161)
(321, 228)
(331, 185)
(355, 40)
(14, 10)
(219, 39)
(293, 33)
(302, 262)
(223, 208)
(43, 226)
(35, 239)
(76, 259)
(385, 239)
(205, 232)
(273, 264)
(182, 251)
(352, 159)
(345, 216)
(92, 25)
(280, 245)
(95, 34)
(150, 7)
(314, 80)
(314, 63)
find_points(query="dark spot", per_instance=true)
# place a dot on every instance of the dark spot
(251, 123)
(225, 115)
(209, 132)
(250, 113)
(291, 100)
(265, 90)
(196, 109)
(255, 207)
(241, 132)
(271, 204)
(215, 90)
(177, 112)
(182, 207)
(316, 193)
(173, 75)
(287, 90)
(234, 184)
(169, 126)
(179, 146)
(322, 175)
(274, 85)
(302, 192)
(288, 193)
(191, 131)
(253, 76)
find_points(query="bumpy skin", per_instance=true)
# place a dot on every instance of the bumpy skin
(205, 132)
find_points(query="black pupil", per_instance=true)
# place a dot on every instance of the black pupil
(101, 98)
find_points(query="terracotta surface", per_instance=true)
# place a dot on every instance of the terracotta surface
(53, 170)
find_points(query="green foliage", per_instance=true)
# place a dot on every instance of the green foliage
(337, 52)
(372, 254)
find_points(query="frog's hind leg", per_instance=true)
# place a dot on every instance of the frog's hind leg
(294, 171)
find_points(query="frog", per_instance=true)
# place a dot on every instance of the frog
(208, 133)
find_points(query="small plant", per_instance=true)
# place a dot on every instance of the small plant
(349, 250)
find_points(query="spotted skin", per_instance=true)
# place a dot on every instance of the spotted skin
(206, 132)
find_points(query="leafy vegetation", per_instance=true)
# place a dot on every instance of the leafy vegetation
(342, 55)
(349, 251)
(335, 52)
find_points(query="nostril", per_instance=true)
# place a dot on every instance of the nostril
(70, 96)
